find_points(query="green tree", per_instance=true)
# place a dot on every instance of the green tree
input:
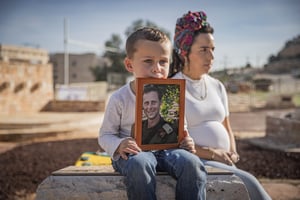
(115, 54)
(99, 72)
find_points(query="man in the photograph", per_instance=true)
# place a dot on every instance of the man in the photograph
(155, 130)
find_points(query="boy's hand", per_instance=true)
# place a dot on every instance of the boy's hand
(128, 146)
(188, 143)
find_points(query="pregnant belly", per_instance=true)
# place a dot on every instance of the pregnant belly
(210, 134)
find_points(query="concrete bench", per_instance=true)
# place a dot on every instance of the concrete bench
(101, 182)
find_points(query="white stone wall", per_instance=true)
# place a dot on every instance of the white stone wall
(25, 87)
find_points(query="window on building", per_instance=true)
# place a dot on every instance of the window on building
(19, 87)
(35, 87)
(74, 63)
(4, 86)
(55, 64)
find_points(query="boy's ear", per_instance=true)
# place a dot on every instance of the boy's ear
(128, 65)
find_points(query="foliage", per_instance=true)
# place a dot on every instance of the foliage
(273, 58)
(296, 99)
(99, 72)
(170, 102)
(248, 65)
(117, 56)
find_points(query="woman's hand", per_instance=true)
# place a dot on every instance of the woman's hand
(128, 146)
(234, 157)
(188, 144)
(223, 156)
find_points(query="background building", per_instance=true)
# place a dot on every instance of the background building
(25, 79)
(79, 67)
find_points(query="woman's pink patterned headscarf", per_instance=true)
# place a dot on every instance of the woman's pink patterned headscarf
(185, 29)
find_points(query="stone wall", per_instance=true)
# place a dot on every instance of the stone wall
(89, 91)
(10, 53)
(24, 87)
(284, 129)
(75, 106)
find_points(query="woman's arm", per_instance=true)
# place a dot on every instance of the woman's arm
(233, 151)
(209, 153)
(227, 125)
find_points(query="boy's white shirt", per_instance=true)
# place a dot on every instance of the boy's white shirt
(118, 119)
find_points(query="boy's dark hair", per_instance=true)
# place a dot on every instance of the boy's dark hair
(145, 33)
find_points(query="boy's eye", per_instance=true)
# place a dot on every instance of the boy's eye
(148, 61)
(163, 62)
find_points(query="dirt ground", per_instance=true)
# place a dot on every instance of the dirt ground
(25, 165)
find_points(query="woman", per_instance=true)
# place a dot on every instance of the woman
(207, 112)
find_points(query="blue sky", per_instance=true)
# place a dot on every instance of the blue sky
(244, 30)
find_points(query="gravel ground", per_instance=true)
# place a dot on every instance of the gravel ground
(23, 168)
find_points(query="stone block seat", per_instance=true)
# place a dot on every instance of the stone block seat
(102, 182)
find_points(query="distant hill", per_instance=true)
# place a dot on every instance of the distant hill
(287, 60)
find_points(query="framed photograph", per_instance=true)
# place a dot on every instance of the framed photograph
(159, 114)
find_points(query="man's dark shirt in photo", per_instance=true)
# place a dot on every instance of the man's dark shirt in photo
(162, 133)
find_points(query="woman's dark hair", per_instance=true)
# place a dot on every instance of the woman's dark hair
(177, 63)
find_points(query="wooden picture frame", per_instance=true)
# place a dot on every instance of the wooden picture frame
(166, 130)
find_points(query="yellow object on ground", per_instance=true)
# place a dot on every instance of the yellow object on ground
(93, 158)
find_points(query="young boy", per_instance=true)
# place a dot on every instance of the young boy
(148, 56)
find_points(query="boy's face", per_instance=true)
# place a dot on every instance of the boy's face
(150, 60)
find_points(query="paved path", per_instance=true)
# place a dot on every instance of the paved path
(253, 124)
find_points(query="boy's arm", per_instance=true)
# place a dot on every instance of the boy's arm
(127, 147)
(109, 138)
